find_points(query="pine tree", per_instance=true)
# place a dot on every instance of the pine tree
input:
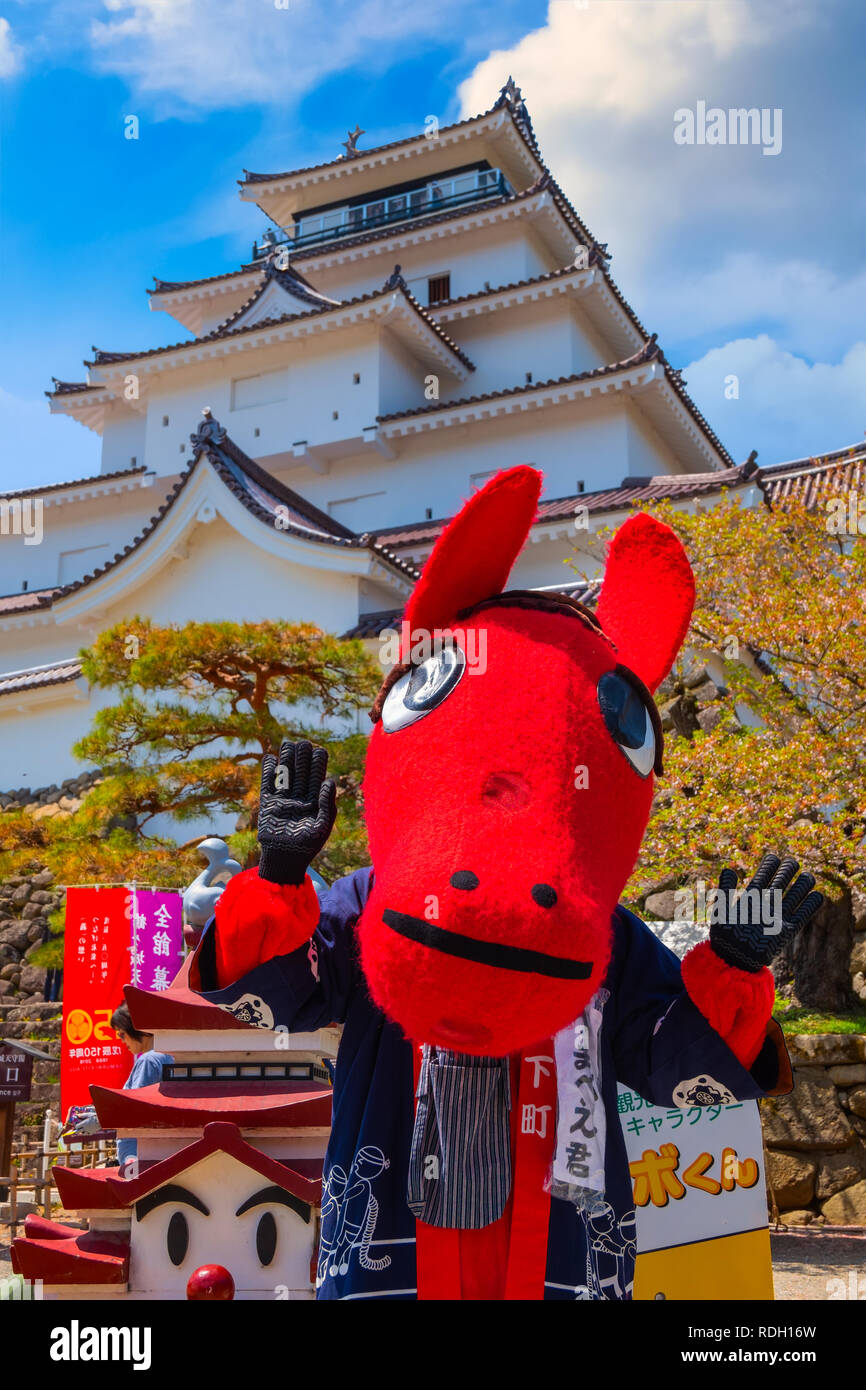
(196, 707)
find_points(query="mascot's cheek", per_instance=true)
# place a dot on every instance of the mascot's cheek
(460, 1004)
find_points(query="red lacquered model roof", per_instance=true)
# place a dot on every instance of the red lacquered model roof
(194, 1104)
(177, 1007)
(100, 1189)
(60, 1254)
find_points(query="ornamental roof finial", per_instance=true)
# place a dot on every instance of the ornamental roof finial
(510, 95)
(350, 145)
(511, 92)
(210, 431)
(395, 280)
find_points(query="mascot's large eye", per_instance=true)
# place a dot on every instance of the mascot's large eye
(628, 720)
(421, 689)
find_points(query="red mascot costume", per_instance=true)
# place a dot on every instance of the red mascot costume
(492, 991)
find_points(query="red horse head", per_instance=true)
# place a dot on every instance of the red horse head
(510, 775)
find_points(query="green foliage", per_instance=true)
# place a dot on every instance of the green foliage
(780, 604)
(794, 1019)
(196, 708)
(49, 955)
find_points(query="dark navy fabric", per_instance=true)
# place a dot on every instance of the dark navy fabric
(652, 1038)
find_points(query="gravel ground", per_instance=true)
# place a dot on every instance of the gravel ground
(818, 1267)
(805, 1267)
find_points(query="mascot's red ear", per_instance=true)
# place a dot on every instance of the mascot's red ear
(647, 597)
(474, 555)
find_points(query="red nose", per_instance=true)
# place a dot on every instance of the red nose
(210, 1281)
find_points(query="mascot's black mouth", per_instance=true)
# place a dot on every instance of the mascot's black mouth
(485, 952)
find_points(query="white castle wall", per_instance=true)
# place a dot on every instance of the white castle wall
(499, 254)
(78, 535)
(223, 578)
(438, 470)
(544, 339)
(303, 383)
(123, 440)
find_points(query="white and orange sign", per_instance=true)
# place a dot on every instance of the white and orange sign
(700, 1200)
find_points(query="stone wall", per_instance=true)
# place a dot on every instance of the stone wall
(26, 902)
(63, 798)
(38, 1023)
(816, 1154)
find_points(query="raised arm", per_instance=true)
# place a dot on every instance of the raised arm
(272, 910)
(706, 1026)
(728, 977)
(271, 954)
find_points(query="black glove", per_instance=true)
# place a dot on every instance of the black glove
(750, 932)
(297, 809)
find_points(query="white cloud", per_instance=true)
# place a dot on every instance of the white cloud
(212, 54)
(708, 240)
(602, 83)
(10, 54)
(787, 407)
(619, 60)
(800, 301)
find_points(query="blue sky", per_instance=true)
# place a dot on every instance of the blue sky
(746, 264)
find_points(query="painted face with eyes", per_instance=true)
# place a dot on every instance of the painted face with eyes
(220, 1215)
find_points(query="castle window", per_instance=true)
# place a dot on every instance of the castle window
(580, 484)
(263, 389)
(529, 378)
(164, 420)
(356, 379)
(438, 289)
(428, 513)
(360, 513)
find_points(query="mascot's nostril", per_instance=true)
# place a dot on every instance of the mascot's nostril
(507, 791)
(543, 894)
(465, 879)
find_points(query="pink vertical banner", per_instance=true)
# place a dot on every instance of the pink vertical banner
(157, 938)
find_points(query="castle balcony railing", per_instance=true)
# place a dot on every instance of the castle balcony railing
(437, 195)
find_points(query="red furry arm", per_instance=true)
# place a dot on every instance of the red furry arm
(257, 920)
(736, 1003)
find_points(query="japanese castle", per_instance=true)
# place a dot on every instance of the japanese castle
(416, 316)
